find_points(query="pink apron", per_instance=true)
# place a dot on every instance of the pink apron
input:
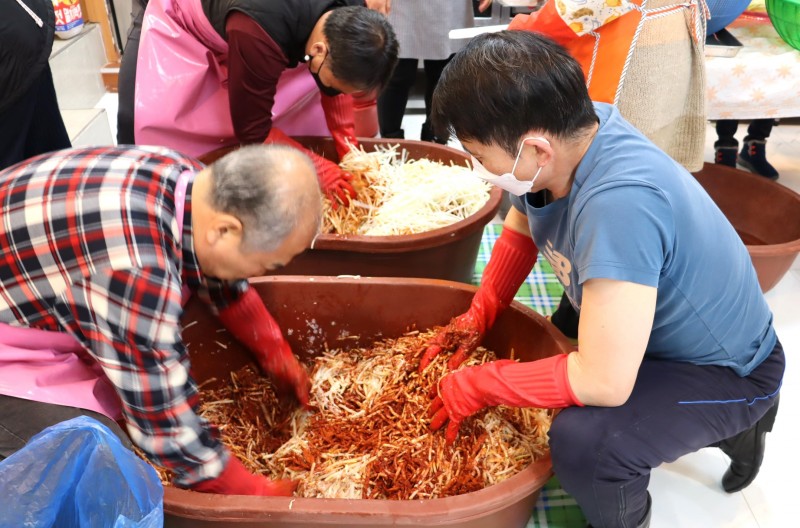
(52, 367)
(182, 85)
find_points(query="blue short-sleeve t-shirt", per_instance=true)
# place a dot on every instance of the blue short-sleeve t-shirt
(633, 214)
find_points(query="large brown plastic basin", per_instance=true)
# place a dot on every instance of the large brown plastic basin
(447, 253)
(317, 310)
(764, 213)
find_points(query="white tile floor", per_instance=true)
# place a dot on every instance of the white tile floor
(687, 493)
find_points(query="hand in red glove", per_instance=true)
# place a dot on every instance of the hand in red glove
(340, 117)
(512, 259)
(250, 322)
(335, 182)
(465, 332)
(235, 479)
(543, 383)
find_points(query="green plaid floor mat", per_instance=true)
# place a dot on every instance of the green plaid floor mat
(556, 509)
(542, 292)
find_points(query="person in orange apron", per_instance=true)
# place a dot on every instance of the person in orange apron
(98, 249)
(644, 56)
(204, 74)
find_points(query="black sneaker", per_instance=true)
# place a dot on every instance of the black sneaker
(753, 157)
(725, 156)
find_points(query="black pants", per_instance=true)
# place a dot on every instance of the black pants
(758, 129)
(127, 76)
(20, 420)
(32, 125)
(392, 102)
(566, 318)
(603, 455)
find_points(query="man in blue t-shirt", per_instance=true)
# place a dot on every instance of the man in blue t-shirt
(677, 348)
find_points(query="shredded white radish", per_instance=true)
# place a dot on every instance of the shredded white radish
(397, 196)
(367, 432)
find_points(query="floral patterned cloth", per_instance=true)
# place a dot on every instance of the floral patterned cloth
(762, 80)
(584, 16)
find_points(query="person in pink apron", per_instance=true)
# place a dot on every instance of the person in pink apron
(98, 248)
(203, 74)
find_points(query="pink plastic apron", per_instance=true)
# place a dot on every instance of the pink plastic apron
(52, 367)
(182, 85)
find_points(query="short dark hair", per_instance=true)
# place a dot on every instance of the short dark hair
(502, 85)
(363, 47)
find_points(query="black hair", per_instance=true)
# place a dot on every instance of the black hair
(502, 85)
(363, 47)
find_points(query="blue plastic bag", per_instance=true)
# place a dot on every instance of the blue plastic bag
(78, 474)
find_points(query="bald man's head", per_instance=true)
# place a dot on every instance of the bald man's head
(254, 210)
(272, 189)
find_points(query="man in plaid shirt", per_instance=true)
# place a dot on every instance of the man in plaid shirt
(93, 245)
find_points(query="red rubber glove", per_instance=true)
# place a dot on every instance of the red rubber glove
(512, 259)
(340, 117)
(235, 479)
(335, 182)
(250, 322)
(543, 383)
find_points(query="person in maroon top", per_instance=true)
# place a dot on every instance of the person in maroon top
(348, 48)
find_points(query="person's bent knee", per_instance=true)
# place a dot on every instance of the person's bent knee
(573, 447)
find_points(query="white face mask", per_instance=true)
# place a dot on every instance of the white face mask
(508, 182)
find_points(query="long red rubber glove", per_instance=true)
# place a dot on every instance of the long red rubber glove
(512, 259)
(250, 323)
(340, 117)
(235, 479)
(543, 383)
(334, 182)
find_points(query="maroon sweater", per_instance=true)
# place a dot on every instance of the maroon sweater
(255, 63)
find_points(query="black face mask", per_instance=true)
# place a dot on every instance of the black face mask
(327, 90)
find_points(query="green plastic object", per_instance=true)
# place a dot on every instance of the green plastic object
(785, 16)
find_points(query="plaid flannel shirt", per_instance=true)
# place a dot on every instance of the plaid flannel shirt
(89, 245)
